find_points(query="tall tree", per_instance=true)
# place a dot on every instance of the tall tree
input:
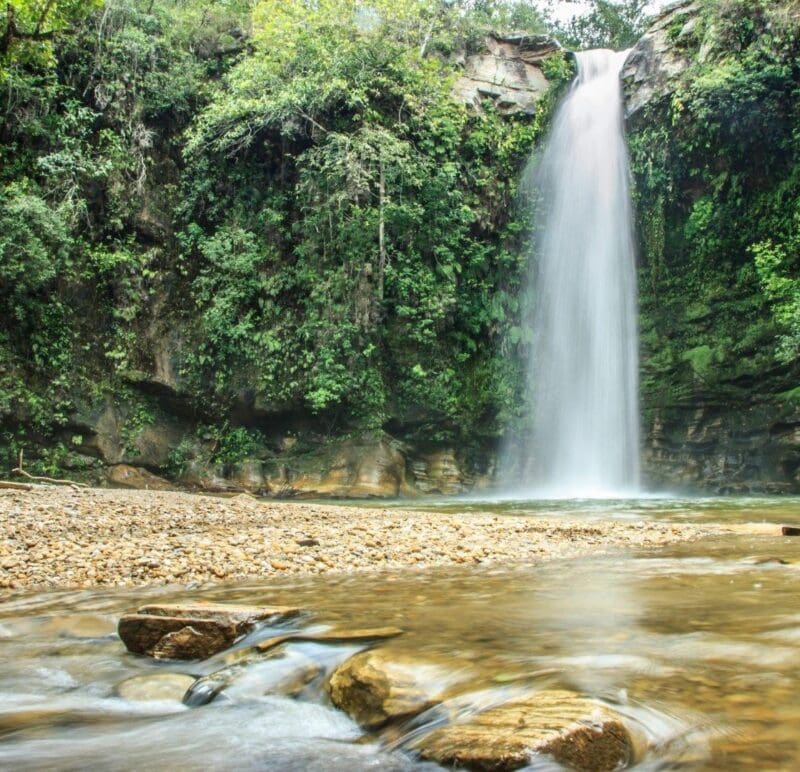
(614, 24)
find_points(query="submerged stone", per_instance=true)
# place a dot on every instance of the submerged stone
(285, 672)
(576, 732)
(155, 686)
(366, 635)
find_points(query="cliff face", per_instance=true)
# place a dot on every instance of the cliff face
(710, 125)
(507, 72)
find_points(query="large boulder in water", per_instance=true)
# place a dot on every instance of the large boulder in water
(191, 631)
(576, 732)
(375, 689)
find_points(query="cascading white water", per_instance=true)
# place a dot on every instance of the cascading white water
(583, 375)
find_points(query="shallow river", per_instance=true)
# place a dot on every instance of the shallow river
(697, 646)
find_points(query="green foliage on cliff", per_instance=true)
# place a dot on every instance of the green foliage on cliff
(717, 170)
(281, 200)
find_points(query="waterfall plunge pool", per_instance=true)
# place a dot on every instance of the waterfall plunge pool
(697, 646)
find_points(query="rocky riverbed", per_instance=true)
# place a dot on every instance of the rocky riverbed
(62, 537)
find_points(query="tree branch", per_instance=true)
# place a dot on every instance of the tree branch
(20, 471)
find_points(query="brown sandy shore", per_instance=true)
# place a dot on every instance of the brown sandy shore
(60, 537)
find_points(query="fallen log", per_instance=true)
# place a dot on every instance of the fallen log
(15, 486)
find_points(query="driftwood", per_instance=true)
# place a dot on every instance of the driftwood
(51, 480)
(15, 486)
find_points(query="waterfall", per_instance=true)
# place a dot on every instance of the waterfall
(583, 373)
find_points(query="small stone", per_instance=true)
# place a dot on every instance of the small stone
(790, 530)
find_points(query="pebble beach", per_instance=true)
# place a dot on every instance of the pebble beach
(59, 537)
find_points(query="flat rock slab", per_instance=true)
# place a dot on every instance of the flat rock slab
(220, 612)
(375, 689)
(366, 635)
(192, 631)
(576, 732)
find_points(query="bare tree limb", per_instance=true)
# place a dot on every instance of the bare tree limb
(36, 478)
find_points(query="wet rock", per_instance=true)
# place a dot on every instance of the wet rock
(729, 450)
(374, 689)
(191, 643)
(790, 530)
(576, 732)
(155, 686)
(183, 638)
(126, 476)
(255, 675)
(191, 631)
(221, 612)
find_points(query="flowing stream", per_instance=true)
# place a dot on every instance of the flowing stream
(697, 646)
(583, 375)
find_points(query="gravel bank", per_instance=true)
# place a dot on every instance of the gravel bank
(59, 537)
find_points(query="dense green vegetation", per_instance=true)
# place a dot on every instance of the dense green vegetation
(273, 218)
(281, 199)
(717, 168)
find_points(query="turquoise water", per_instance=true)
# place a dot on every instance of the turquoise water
(655, 507)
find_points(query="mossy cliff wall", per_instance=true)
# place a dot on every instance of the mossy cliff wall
(712, 126)
(235, 259)
(267, 245)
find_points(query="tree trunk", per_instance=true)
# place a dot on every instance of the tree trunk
(382, 257)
